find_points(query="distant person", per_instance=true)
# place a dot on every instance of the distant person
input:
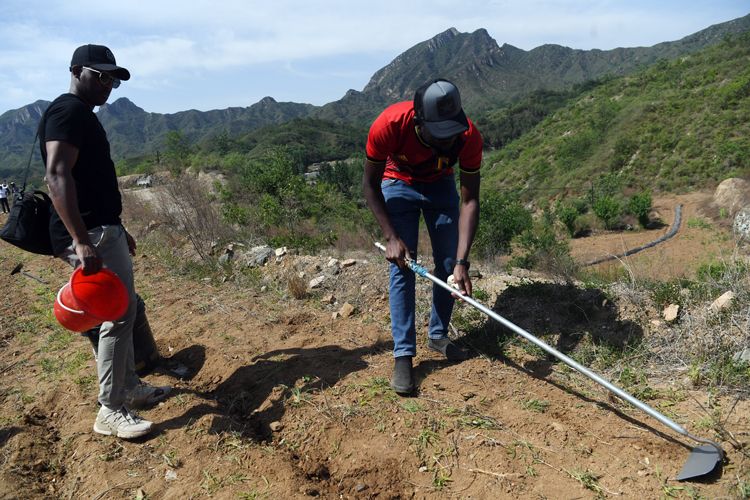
(412, 148)
(86, 228)
(15, 192)
(4, 193)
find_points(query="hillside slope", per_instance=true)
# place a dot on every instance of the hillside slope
(672, 127)
(285, 398)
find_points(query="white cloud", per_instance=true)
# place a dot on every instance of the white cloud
(170, 41)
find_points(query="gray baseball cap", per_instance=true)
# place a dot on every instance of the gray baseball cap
(438, 108)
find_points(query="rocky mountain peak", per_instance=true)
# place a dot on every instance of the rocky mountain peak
(121, 106)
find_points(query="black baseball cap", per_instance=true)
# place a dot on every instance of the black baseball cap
(98, 57)
(438, 108)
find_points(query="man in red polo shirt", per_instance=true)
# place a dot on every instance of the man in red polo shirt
(412, 149)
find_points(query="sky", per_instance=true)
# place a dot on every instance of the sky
(214, 54)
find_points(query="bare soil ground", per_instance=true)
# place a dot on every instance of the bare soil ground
(284, 400)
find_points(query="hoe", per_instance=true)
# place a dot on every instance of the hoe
(702, 460)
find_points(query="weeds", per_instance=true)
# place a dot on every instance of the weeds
(536, 405)
(412, 406)
(171, 459)
(298, 397)
(378, 387)
(589, 480)
(472, 419)
(440, 479)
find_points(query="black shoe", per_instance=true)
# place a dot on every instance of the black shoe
(448, 349)
(403, 376)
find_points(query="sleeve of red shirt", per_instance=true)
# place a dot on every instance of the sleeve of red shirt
(470, 158)
(382, 139)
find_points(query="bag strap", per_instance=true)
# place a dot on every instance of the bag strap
(42, 122)
(28, 165)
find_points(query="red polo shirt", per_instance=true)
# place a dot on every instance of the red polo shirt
(393, 140)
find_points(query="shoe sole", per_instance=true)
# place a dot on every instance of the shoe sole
(105, 431)
(401, 391)
(144, 404)
(451, 359)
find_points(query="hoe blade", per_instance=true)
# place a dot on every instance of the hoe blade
(702, 460)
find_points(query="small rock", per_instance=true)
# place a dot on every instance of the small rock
(225, 258)
(423, 468)
(170, 475)
(332, 262)
(346, 310)
(743, 355)
(335, 315)
(276, 426)
(467, 395)
(264, 288)
(643, 472)
(328, 299)
(656, 323)
(316, 282)
(723, 302)
(348, 263)
(670, 313)
(360, 488)
(280, 252)
(557, 426)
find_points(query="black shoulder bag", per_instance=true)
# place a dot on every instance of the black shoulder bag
(27, 226)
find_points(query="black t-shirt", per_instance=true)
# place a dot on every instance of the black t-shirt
(69, 119)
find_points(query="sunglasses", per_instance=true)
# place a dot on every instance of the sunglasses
(105, 78)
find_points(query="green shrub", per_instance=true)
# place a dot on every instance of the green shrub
(501, 218)
(233, 213)
(722, 272)
(567, 215)
(544, 250)
(640, 205)
(609, 210)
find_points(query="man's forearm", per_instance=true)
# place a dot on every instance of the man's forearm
(467, 228)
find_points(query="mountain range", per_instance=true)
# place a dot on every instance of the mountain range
(489, 76)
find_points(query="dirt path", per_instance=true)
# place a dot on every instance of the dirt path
(286, 401)
(701, 239)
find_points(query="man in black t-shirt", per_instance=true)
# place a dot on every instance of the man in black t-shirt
(86, 228)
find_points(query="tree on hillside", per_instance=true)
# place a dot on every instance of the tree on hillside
(177, 152)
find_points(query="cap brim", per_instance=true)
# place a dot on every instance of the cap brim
(116, 71)
(446, 128)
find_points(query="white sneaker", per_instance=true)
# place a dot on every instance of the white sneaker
(145, 395)
(121, 423)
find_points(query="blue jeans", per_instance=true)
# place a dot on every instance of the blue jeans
(438, 203)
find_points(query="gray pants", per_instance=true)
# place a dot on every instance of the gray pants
(115, 351)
